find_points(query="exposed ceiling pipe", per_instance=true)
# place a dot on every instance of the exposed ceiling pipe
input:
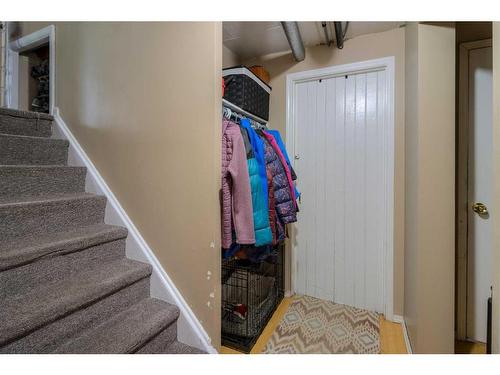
(339, 35)
(325, 30)
(292, 33)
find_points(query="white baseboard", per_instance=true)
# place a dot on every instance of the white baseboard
(190, 330)
(401, 320)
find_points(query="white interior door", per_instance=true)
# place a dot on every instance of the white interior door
(340, 150)
(479, 254)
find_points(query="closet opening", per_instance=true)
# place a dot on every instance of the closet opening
(30, 82)
(34, 78)
(312, 120)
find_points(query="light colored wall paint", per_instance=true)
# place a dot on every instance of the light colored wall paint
(430, 183)
(366, 47)
(143, 100)
(496, 191)
(229, 58)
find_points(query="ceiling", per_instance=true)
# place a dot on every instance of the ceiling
(254, 39)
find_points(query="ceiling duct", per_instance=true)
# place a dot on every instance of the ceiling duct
(294, 38)
(328, 42)
(339, 34)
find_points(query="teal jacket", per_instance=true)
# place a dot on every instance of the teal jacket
(263, 234)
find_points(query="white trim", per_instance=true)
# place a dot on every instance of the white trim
(190, 331)
(27, 42)
(401, 320)
(461, 222)
(387, 64)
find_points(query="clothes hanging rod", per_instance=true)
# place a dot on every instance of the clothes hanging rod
(241, 111)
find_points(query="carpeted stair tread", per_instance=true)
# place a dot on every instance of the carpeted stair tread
(127, 331)
(24, 313)
(43, 199)
(34, 180)
(177, 347)
(35, 216)
(18, 252)
(28, 150)
(18, 122)
(25, 114)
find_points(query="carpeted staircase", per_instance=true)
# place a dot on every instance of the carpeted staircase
(65, 283)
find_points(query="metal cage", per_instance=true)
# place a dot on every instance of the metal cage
(250, 294)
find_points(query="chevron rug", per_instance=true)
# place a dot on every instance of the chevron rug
(312, 325)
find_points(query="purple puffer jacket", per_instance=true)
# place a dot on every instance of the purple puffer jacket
(286, 209)
(236, 201)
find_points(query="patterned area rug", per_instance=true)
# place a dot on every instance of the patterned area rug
(312, 325)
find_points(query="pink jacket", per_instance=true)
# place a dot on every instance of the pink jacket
(276, 148)
(236, 203)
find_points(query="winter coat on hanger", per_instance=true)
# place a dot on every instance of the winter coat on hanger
(282, 159)
(272, 204)
(237, 209)
(258, 150)
(263, 234)
(286, 208)
(277, 136)
(260, 199)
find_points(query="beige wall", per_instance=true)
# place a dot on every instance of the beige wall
(496, 191)
(430, 187)
(143, 99)
(366, 47)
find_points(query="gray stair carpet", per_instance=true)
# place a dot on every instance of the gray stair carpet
(66, 285)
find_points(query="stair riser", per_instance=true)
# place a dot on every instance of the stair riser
(22, 181)
(160, 343)
(56, 267)
(49, 337)
(32, 151)
(24, 126)
(49, 217)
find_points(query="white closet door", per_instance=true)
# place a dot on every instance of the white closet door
(479, 230)
(340, 138)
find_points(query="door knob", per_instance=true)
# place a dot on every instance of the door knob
(479, 208)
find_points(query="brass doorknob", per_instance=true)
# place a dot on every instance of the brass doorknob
(480, 208)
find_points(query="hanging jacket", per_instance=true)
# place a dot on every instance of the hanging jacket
(260, 199)
(263, 234)
(272, 205)
(258, 150)
(286, 208)
(277, 136)
(282, 159)
(236, 202)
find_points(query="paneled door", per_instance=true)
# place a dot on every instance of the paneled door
(342, 151)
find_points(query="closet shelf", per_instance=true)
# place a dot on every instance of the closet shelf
(242, 111)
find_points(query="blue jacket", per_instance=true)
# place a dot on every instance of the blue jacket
(258, 151)
(262, 228)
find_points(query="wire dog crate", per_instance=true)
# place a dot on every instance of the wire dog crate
(250, 294)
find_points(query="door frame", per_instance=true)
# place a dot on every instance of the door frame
(387, 64)
(462, 203)
(27, 42)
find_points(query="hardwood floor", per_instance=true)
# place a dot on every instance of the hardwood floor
(391, 334)
(468, 347)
